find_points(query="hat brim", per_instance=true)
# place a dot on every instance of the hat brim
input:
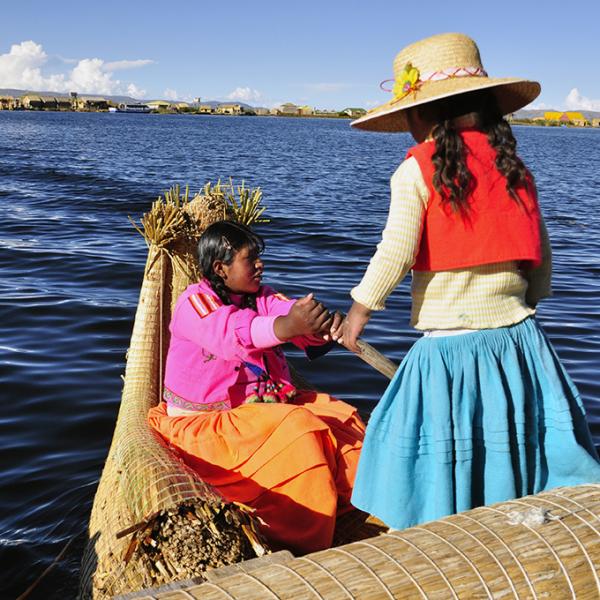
(511, 95)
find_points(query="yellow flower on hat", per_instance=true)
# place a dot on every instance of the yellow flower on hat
(406, 82)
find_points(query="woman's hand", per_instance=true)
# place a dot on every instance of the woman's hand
(335, 329)
(353, 325)
(306, 317)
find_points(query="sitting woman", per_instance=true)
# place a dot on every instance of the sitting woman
(231, 410)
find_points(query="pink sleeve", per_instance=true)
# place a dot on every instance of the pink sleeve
(262, 332)
(276, 304)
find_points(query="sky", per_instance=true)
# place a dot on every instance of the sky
(327, 54)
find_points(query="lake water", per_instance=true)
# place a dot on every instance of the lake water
(71, 265)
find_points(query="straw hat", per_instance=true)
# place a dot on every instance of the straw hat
(437, 67)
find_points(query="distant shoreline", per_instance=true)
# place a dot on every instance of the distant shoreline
(188, 113)
(554, 124)
(75, 103)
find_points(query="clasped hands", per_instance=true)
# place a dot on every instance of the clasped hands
(308, 316)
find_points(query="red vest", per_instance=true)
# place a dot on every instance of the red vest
(495, 228)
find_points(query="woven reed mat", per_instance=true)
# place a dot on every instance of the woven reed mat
(153, 520)
(543, 546)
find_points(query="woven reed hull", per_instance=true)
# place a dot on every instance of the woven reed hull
(476, 554)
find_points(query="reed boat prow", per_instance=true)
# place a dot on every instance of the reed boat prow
(155, 523)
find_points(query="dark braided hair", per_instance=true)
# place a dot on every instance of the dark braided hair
(221, 241)
(451, 179)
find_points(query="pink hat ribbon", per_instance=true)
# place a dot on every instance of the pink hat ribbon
(453, 72)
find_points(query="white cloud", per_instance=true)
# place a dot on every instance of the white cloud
(538, 106)
(170, 94)
(89, 77)
(134, 91)
(121, 65)
(22, 67)
(67, 60)
(575, 101)
(245, 94)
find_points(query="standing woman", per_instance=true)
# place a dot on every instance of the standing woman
(481, 409)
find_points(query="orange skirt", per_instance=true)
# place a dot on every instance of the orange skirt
(293, 463)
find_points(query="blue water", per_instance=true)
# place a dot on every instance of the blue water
(71, 266)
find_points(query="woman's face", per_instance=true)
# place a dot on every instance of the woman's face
(244, 274)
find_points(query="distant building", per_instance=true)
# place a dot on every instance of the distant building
(354, 112)
(306, 111)
(260, 110)
(576, 118)
(569, 117)
(61, 102)
(48, 102)
(552, 115)
(230, 109)
(9, 103)
(165, 105)
(32, 102)
(595, 122)
(159, 105)
(288, 109)
(38, 102)
(90, 103)
(206, 109)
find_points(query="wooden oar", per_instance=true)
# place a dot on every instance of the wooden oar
(377, 360)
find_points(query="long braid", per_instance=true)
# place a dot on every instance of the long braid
(501, 138)
(218, 286)
(249, 301)
(451, 178)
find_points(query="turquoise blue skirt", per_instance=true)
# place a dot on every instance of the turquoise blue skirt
(473, 419)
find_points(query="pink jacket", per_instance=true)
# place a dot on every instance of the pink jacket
(212, 363)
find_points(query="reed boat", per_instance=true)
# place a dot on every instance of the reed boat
(130, 108)
(158, 531)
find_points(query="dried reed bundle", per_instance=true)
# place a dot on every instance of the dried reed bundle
(246, 208)
(167, 543)
(165, 222)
